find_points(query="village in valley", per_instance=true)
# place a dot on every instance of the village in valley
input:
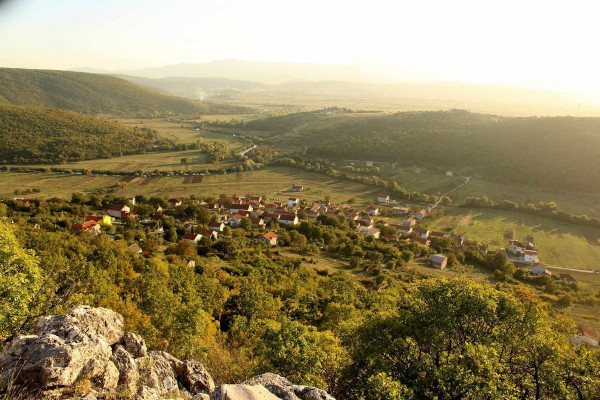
(266, 218)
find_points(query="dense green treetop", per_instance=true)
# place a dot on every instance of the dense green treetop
(44, 136)
(557, 153)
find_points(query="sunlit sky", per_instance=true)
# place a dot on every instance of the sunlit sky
(537, 43)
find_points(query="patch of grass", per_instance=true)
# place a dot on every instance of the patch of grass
(558, 243)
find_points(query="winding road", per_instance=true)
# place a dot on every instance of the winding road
(437, 203)
(243, 153)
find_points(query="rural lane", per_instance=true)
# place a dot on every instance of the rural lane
(437, 203)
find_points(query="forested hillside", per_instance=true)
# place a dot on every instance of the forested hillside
(558, 153)
(92, 94)
(30, 135)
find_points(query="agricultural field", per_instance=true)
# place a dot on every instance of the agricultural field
(162, 161)
(274, 182)
(182, 132)
(432, 184)
(437, 182)
(577, 203)
(559, 243)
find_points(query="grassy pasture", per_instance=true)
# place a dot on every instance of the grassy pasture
(558, 243)
(181, 132)
(588, 204)
(274, 182)
(163, 161)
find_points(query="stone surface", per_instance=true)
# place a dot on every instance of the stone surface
(156, 373)
(88, 343)
(242, 392)
(128, 372)
(134, 344)
(284, 389)
(110, 378)
(196, 379)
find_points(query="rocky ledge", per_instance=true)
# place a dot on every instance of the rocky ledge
(85, 354)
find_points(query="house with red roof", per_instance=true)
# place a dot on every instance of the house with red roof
(192, 237)
(216, 226)
(236, 208)
(269, 238)
(437, 235)
(88, 226)
(234, 220)
(530, 256)
(409, 222)
(257, 223)
(288, 219)
(118, 210)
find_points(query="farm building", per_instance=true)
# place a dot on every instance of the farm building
(438, 261)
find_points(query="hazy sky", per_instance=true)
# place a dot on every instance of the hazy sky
(549, 42)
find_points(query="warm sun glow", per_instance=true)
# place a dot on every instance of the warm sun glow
(534, 43)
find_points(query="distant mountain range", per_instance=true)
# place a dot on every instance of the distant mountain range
(265, 72)
(357, 86)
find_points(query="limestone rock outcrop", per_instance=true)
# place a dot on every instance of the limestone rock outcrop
(89, 345)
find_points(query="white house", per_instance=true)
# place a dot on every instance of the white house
(369, 231)
(234, 220)
(372, 210)
(530, 256)
(369, 163)
(293, 201)
(235, 208)
(288, 219)
(383, 198)
(117, 210)
(192, 237)
(216, 226)
(449, 173)
(540, 269)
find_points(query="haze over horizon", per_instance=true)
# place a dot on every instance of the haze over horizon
(515, 43)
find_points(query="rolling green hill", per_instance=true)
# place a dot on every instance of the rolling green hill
(30, 135)
(93, 94)
(557, 153)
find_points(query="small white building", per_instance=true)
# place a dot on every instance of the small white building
(117, 210)
(540, 269)
(192, 237)
(373, 211)
(449, 173)
(530, 256)
(288, 219)
(383, 198)
(293, 201)
(216, 226)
